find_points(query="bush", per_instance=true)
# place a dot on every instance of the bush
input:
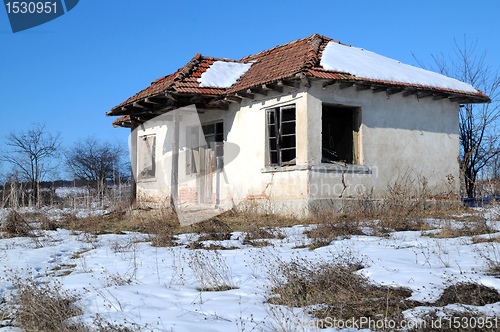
(211, 270)
(16, 225)
(45, 307)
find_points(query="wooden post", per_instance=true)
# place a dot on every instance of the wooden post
(218, 167)
(174, 187)
(133, 162)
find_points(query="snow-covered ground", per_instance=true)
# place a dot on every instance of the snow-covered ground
(124, 279)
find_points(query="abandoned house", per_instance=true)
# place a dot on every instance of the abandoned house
(307, 124)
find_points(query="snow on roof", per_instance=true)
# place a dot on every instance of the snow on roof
(366, 64)
(223, 74)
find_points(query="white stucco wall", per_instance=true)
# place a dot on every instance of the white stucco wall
(399, 137)
(156, 189)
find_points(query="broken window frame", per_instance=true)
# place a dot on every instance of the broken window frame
(281, 136)
(193, 150)
(352, 157)
(146, 161)
(213, 130)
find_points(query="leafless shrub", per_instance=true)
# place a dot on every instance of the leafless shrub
(41, 220)
(161, 229)
(16, 225)
(211, 270)
(46, 307)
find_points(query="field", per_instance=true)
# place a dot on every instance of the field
(412, 267)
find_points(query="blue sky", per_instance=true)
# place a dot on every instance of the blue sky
(69, 72)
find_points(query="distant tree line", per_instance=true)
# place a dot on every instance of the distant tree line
(35, 156)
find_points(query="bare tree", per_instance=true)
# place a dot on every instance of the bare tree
(479, 141)
(95, 162)
(32, 154)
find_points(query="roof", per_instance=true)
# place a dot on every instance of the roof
(299, 58)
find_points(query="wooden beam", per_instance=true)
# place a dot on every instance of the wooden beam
(329, 82)
(361, 87)
(170, 96)
(378, 88)
(424, 94)
(196, 99)
(257, 91)
(439, 96)
(133, 160)
(151, 101)
(289, 84)
(304, 79)
(233, 99)
(136, 104)
(408, 92)
(344, 85)
(458, 98)
(245, 95)
(219, 105)
(272, 87)
(393, 90)
(174, 177)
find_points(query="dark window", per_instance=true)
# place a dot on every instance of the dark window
(281, 136)
(147, 155)
(339, 137)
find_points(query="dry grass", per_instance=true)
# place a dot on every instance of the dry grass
(113, 222)
(476, 239)
(336, 289)
(198, 245)
(16, 225)
(161, 230)
(211, 271)
(212, 229)
(329, 227)
(242, 220)
(258, 237)
(472, 228)
(468, 293)
(46, 307)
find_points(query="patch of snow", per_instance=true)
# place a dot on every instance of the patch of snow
(366, 64)
(71, 191)
(222, 74)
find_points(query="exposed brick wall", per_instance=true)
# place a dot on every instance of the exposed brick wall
(256, 197)
(187, 194)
